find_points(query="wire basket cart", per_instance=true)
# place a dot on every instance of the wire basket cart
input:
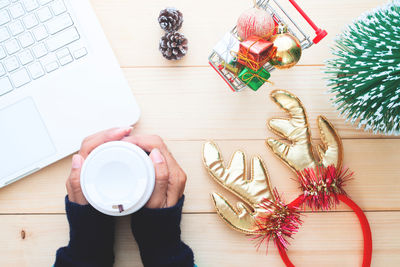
(280, 15)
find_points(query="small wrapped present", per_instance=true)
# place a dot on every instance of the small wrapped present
(227, 48)
(233, 68)
(254, 79)
(254, 52)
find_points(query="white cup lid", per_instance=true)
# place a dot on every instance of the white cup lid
(117, 178)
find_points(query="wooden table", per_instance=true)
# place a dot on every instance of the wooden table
(187, 103)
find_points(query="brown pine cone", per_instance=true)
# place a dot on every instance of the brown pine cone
(173, 45)
(170, 19)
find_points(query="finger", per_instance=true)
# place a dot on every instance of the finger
(149, 142)
(159, 197)
(146, 142)
(176, 187)
(97, 139)
(177, 177)
(74, 184)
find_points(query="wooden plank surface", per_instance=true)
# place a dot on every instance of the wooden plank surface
(334, 236)
(134, 33)
(187, 103)
(375, 186)
(199, 99)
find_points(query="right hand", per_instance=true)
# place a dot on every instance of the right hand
(170, 178)
(73, 183)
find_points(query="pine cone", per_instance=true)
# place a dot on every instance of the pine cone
(173, 45)
(170, 19)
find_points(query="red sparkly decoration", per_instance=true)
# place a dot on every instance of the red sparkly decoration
(255, 21)
(323, 185)
(280, 222)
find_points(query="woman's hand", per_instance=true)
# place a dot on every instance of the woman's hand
(170, 178)
(73, 183)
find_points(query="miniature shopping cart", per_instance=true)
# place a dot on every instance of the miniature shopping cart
(280, 16)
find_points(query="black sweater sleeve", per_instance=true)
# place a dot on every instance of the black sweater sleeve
(91, 238)
(158, 234)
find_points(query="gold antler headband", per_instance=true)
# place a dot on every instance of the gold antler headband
(321, 177)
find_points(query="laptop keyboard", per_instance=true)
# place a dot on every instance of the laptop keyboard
(37, 37)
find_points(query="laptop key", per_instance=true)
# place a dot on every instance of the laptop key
(16, 27)
(17, 10)
(62, 39)
(26, 39)
(51, 66)
(58, 24)
(2, 70)
(30, 21)
(58, 7)
(11, 63)
(80, 53)
(36, 70)
(25, 57)
(30, 5)
(3, 53)
(4, 3)
(4, 17)
(4, 34)
(39, 50)
(66, 60)
(5, 85)
(20, 77)
(40, 33)
(44, 2)
(12, 46)
(44, 14)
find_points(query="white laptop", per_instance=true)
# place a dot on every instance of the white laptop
(59, 82)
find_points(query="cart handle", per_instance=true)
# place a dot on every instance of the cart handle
(319, 32)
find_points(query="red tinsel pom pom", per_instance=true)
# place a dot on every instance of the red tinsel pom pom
(323, 185)
(280, 222)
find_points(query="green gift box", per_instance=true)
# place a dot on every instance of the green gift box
(254, 79)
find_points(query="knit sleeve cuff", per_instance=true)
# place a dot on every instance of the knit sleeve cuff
(91, 232)
(158, 227)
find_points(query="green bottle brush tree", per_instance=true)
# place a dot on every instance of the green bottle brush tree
(364, 75)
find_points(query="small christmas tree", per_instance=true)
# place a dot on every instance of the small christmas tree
(365, 74)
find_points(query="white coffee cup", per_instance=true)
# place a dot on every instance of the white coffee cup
(117, 178)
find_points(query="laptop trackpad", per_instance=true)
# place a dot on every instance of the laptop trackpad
(24, 139)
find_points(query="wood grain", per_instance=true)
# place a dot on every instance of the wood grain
(134, 33)
(325, 239)
(374, 161)
(195, 103)
(187, 103)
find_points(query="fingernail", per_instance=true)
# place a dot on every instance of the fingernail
(124, 130)
(156, 156)
(129, 130)
(76, 161)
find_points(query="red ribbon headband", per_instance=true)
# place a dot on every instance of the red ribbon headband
(322, 190)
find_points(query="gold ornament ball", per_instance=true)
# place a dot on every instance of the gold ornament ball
(288, 51)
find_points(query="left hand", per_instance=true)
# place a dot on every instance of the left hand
(170, 178)
(73, 183)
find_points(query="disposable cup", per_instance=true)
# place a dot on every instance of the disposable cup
(117, 178)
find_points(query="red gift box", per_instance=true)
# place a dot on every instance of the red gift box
(254, 52)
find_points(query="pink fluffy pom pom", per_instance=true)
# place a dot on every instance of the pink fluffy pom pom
(255, 21)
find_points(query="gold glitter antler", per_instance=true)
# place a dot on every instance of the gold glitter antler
(234, 178)
(299, 154)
